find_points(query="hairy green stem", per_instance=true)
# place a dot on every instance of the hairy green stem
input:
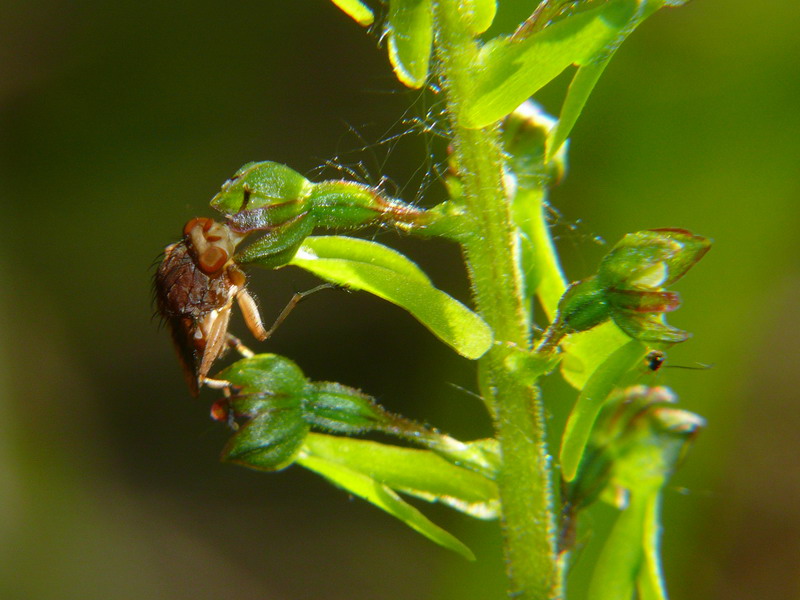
(493, 263)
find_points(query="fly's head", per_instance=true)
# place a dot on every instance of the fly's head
(195, 287)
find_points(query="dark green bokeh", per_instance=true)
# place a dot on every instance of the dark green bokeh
(119, 121)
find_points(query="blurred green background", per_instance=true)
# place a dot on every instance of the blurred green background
(119, 120)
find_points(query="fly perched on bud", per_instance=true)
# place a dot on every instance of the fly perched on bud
(195, 287)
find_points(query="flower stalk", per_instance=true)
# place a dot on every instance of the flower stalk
(493, 264)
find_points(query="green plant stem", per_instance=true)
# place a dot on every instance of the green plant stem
(492, 260)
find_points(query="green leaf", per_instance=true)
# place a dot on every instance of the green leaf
(591, 400)
(384, 498)
(420, 473)
(372, 267)
(585, 351)
(356, 10)
(477, 14)
(409, 28)
(509, 72)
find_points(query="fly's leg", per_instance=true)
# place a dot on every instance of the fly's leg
(296, 299)
(237, 345)
(217, 384)
(252, 318)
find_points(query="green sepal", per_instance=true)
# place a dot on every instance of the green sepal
(508, 72)
(356, 10)
(651, 259)
(268, 442)
(268, 374)
(372, 267)
(409, 28)
(259, 185)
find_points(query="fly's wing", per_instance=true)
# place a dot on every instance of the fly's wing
(182, 331)
(180, 287)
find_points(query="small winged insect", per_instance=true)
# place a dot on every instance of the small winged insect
(195, 287)
(655, 359)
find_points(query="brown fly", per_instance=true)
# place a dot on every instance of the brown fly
(195, 287)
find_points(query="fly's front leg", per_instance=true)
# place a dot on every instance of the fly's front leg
(217, 384)
(235, 343)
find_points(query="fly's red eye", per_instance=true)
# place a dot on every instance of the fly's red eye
(213, 259)
(204, 222)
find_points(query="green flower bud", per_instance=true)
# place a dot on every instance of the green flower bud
(628, 287)
(638, 440)
(269, 402)
(275, 406)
